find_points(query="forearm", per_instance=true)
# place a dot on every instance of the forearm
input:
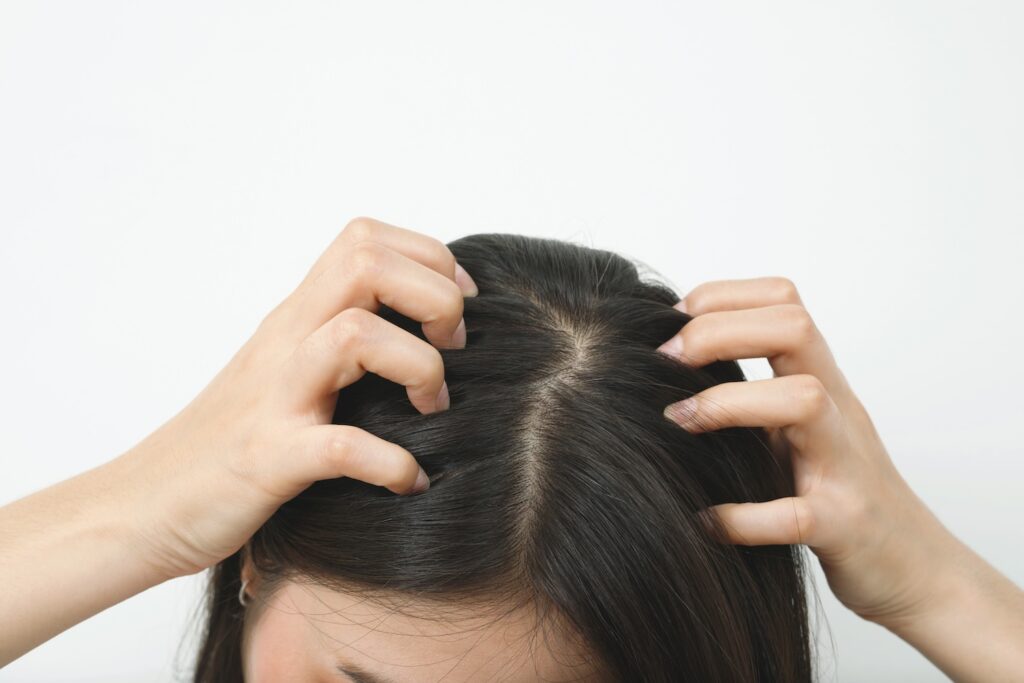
(68, 552)
(973, 628)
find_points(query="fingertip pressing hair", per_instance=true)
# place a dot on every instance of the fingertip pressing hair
(556, 478)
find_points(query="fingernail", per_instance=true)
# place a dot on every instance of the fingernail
(443, 401)
(681, 412)
(681, 306)
(422, 482)
(673, 347)
(465, 282)
(459, 336)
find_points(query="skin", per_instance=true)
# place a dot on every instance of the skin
(885, 554)
(192, 492)
(303, 632)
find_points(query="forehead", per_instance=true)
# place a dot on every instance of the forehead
(308, 628)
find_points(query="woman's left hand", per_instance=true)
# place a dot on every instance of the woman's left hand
(875, 538)
(884, 553)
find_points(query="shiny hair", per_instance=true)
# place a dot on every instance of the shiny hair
(555, 478)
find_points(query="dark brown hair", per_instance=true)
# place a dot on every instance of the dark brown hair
(555, 477)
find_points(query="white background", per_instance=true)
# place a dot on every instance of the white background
(168, 172)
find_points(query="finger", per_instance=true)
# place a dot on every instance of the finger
(730, 295)
(797, 404)
(331, 451)
(417, 246)
(371, 274)
(353, 343)
(783, 521)
(785, 334)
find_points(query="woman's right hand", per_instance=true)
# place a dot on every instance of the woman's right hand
(261, 431)
(883, 552)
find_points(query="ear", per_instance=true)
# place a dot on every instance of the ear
(249, 574)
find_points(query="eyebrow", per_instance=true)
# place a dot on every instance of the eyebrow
(359, 674)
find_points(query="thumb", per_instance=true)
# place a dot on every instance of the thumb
(783, 521)
(330, 451)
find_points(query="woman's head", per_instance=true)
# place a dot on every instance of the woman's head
(560, 538)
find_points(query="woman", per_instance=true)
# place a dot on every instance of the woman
(566, 517)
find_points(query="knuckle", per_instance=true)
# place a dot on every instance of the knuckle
(435, 362)
(443, 255)
(698, 336)
(800, 322)
(364, 258)
(455, 302)
(276, 313)
(431, 374)
(360, 228)
(810, 392)
(696, 297)
(339, 452)
(349, 329)
(785, 289)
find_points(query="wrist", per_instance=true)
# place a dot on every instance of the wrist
(147, 510)
(936, 587)
(918, 569)
(972, 625)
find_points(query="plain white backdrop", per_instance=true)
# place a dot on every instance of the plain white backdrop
(168, 172)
